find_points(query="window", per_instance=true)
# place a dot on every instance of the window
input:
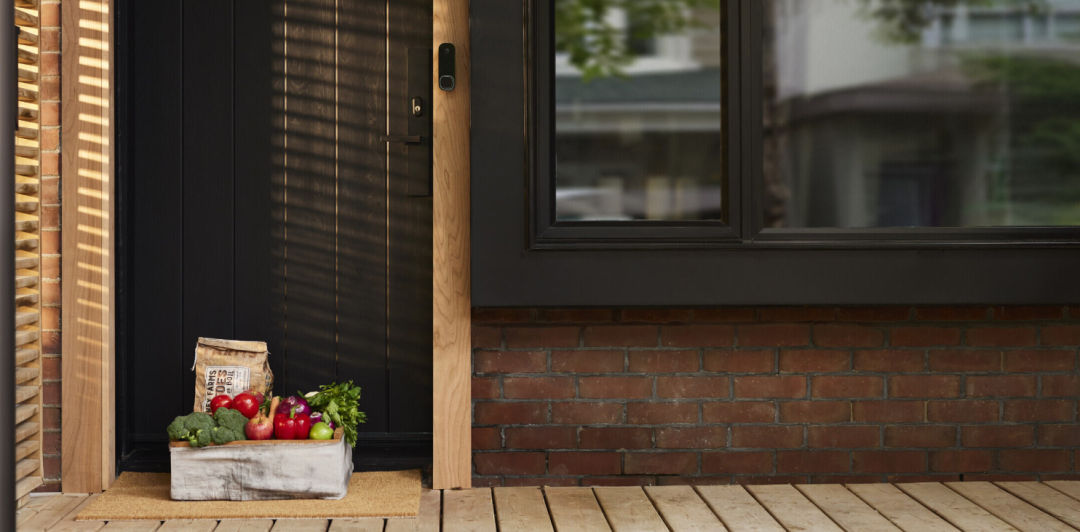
(775, 152)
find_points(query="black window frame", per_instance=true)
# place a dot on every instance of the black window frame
(522, 256)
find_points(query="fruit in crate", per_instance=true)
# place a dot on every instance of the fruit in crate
(261, 427)
(220, 401)
(247, 404)
(321, 431)
(257, 395)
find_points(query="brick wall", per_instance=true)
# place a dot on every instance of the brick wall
(660, 396)
(50, 236)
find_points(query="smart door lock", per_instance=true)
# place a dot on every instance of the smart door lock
(446, 67)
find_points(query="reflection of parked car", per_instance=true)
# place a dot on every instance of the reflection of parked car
(660, 199)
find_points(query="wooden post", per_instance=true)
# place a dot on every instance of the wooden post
(88, 453)
(452, 287)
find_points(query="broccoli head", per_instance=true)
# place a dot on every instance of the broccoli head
(203, 438)
(199, 421)
(231, 419)
(194, 428)
(176, 429)
(223, 435)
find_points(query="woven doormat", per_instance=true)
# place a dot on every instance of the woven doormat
(145, 496)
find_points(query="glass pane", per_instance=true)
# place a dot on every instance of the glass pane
(637, 110)
(922, 113)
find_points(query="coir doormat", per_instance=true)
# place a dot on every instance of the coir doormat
(145, 496)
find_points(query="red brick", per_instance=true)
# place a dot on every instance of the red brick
(961, 461)
(1064, 476)
(997, 435)
(655, 315)
(812, 462)
(1061, 335)
(50, 14)
(622, 480)
(538, 388)
(501, 315)
(664, 361)
(1031, 410)
(510, 362)
(959, 361)
(50, 165)
(995, 477)
(889, 361)
(50, 293)
(691, 437)
(51, 467)
(845, 479)
(924, 336)
(1030, 313)
(767, 387)
(847, 336)
(50, 242)
(888, 411)
(1003, 386)
(930, 386)
(766, 437)
(815, 411)
(541, 438)
(859, 386)
(486, 438)
(814, 361)
(50, 267)
(1027, 361)
(797, 314)
(577, 315)
(620, 335)
(771, 480)
(51, 418)
(737, 462)
(485, 388)
(586, 413)
(875, 314)
(50, 191)
(694, 481)
(1001, 336)
(697, 335)
(615, 387)
(1036, 460)
(1059, 435)
(486, 337)
(584, 463)
(845, 437)
(52, 443)
(739, 412)
(50, 394)
(542, 337)
(920, 436)
(539, 481)
(50, 368)
(50, 137)
(966, 411)
(50, 343)
(50, 39)
(587, 361)
(1060, 385)
(50, 115)
(888, 461)
(616, 438)
(509, 463)
(952, 313)
(725, 314)
(740, 361)
(901, 479)
(661, 463)
(692, 387)
(490, 413)
(50, 318)
(774, 335)
(661, 413)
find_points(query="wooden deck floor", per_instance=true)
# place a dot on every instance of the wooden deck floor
(931, 507)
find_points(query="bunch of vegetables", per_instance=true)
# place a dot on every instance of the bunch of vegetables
(297, 417)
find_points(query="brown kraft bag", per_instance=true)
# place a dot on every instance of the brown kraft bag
(230, 367)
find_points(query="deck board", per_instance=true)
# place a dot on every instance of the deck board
(133, 526)
(188, 525)
(955, 508)
(428, 521)
(521, 510)
(628, 509)
(683, 510)
(301, 525)
(903, 511)
(1008, 508)
(52, 513)
(357, 525)
(792, 509)
(575, 510)
(738, 510)
(468, 511)
(246, 525)
(1046, 499)
(844, 508)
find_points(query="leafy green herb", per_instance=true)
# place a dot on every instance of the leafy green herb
(340, 403)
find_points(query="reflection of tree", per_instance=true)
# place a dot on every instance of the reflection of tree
(584, 29)
(904, 20)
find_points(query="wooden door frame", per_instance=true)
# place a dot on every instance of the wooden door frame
(88, 321)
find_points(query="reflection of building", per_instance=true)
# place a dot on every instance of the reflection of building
(871, 130)
(646, 144)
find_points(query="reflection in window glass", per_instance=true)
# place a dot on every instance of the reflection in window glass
(927, 113)
(637, 110)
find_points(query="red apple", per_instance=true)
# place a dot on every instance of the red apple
(261, 427)
(247, 404)
(256, 395)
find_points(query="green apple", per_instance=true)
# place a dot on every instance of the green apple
(321, 431)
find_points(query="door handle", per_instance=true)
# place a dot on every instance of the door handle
(405, 139)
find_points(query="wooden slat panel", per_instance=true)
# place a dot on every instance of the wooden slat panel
(301, 525)
(1046, 499)
(847, 510)
(27, 95)
(24, 151)
(138, 526)
(356, 525)
(452, 305)
(27, 57)
(25, 318)
(23, 393)
(1008, 508)
(25, 300)
(27, 76)
(25, 467)
(24, 356)
(468, 511)
(737, 509)
(428, 521)
(26, 170)
(575, 510)
(25, 412)
(27, 244)
(245, 525)
(53, 513)
(25, 281)
(25, 430)
(25, 132)
(628, 509)
(683, 510)
(26, 337)
(28, 188)
(954, 508)
(26, 262)
(26, 485)
(26, 226)
(188, 525)
(28, 38)
(26, 3)
(520, 510)
(22, 18)
(791, 509)
(24, 448)
(28, 114)
(26, 205)
(25, 374)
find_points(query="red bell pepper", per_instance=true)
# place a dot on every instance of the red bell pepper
(291, 426)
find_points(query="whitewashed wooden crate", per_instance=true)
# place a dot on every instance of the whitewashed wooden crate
(255, 470)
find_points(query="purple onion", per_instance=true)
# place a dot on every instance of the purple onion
(295, 404)
(318, 416)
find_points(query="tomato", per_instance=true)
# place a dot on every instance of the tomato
(284, 427)
(247, 404)
(321, 431)
(303, 426)
(221, 401)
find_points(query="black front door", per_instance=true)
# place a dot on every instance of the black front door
(259, 200)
